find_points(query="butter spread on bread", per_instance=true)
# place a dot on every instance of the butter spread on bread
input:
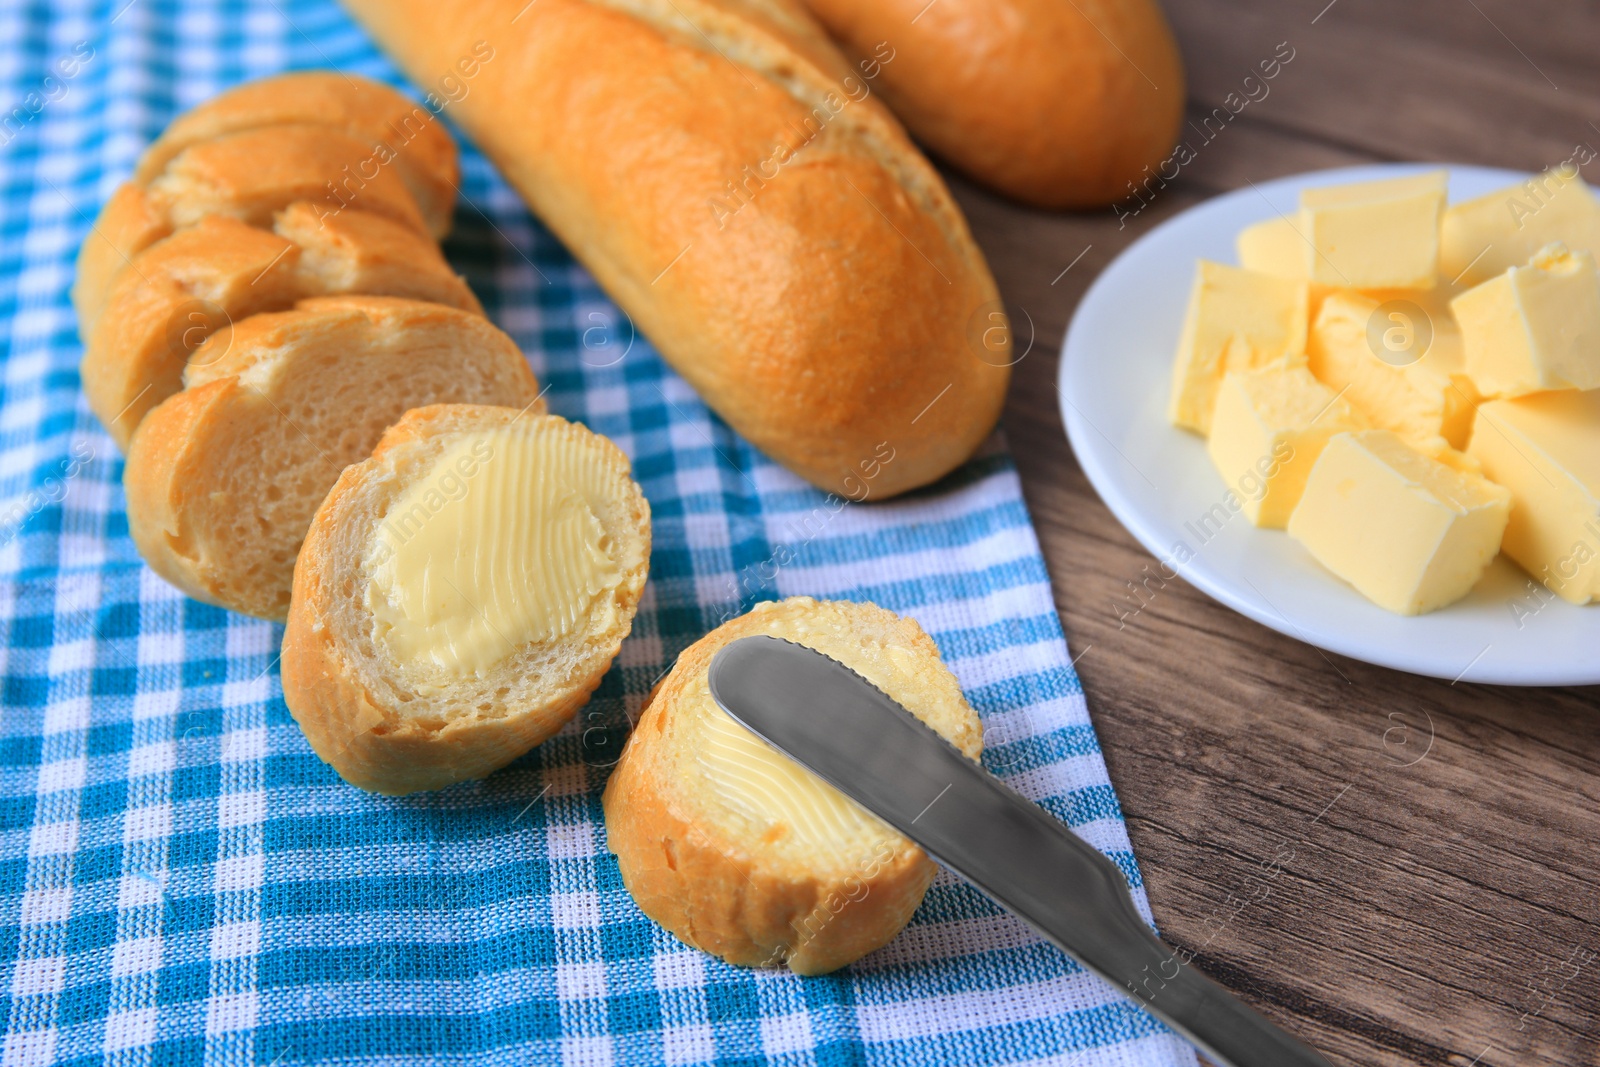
(223, 477)
(497, 545)
(743, 853)
(763, 221)
(397, 715)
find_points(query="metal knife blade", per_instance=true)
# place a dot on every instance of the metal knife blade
(851, 734)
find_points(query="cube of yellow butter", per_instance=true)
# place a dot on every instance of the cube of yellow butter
(1273, 247)
(1374, 235)
(1545, 448)
(1267, 430)
(1277, 247)
(1237, 319)
(1534, 328)
(1399, 362)
(1487, 236)
(1409, 532)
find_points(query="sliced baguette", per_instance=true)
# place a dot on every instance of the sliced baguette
(223, 477)
(395, 725)
(180, 289)
(251, 176)
(706, 839)
(425, 155)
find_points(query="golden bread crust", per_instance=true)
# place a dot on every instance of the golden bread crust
(131, 221)
(715, 887)
(371, 742)
(1060, 105)
(161, 477)
(827, 301)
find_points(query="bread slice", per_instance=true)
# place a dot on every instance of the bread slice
(223, 477)
(424, 153)
(250, 175)
(706, 821)
(179, 290)
(394, 716)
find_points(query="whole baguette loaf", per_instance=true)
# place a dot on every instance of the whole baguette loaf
(224, 476)
(1058, 104)
(734, 186)
(388, 721)
(721, 840)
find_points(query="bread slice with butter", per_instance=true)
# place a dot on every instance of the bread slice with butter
(223, 477)
(743, 853)
(461, 593)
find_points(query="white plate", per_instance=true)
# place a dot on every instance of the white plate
(1158, 480)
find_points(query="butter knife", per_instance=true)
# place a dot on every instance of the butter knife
(838, 725)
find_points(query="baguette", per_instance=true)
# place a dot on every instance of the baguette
(223, 477)
(395, 709)
(742, 853)
(250, 176)
(424, 156)
(298, 186)
(1059, 105)
(221, 270)
(758, 214)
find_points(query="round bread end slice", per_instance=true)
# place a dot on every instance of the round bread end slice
(741, 852)
(461, 594)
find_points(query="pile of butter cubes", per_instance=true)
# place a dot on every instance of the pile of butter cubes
(1407, 388)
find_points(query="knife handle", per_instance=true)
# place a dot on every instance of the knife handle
(1168, 986)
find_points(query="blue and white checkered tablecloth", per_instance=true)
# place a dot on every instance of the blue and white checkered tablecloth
(182, 881)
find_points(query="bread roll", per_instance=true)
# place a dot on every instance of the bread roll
(223, 477)
(1060, 104)
(222, 270)
(460, 595)
(769, 227)
(743, 853)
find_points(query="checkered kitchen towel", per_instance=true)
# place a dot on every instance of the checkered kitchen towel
(182, 881)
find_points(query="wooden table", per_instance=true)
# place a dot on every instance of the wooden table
(1401, 870)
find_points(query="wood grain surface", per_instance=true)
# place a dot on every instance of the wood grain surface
(1401, 870)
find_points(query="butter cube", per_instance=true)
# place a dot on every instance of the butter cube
(1534, 328)
(1268, 428)
(1399, 361)
(1374, 235)
(1546, 450)
(1237, 320)
(1273, 247)
(1409, 532)
(1277, 247)
(1487, 236)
